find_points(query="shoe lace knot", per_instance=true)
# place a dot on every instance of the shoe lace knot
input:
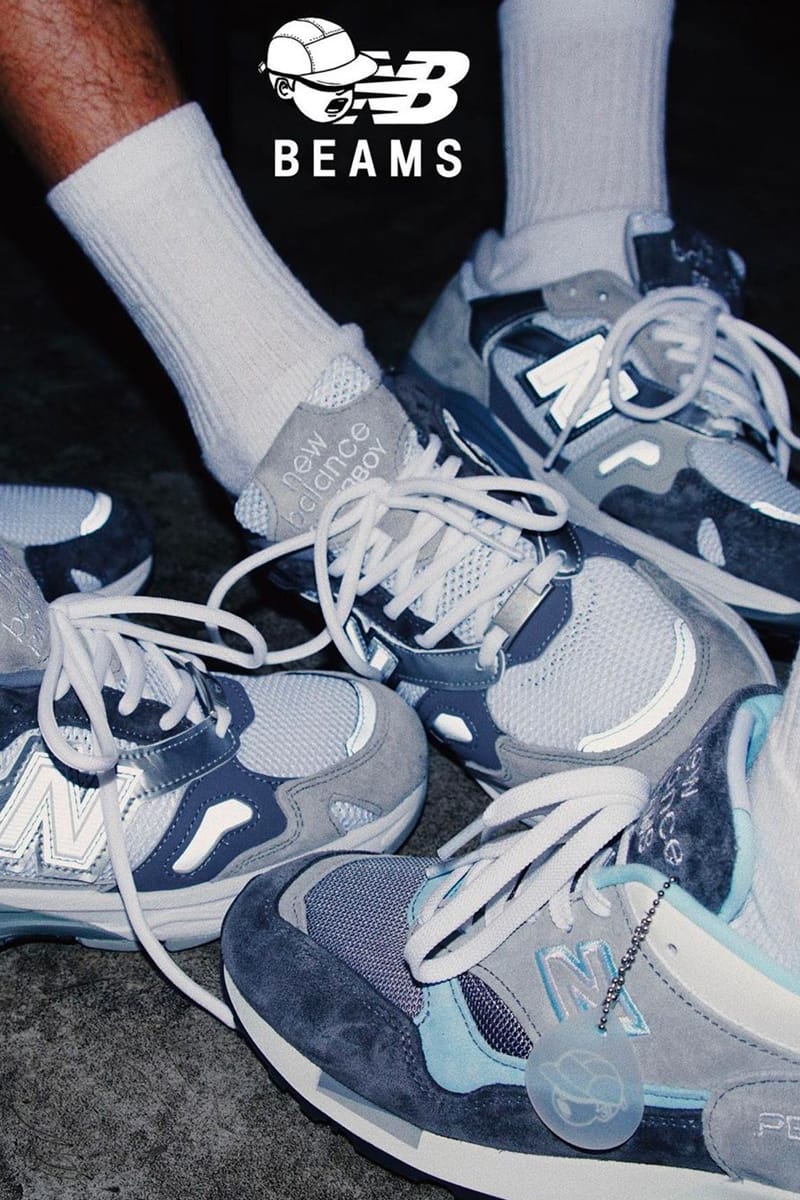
(729, 371)
(363, 541)
(573, 820)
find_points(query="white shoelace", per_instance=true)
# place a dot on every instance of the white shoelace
(86, 641)
(718, 350)
(486, 895)
(457, 508)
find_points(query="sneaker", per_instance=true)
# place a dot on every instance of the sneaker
(525, 644)
(139, 793)
(450, 1010)
(76, 540)
(656, 407)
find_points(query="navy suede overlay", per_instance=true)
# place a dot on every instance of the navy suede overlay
(683, 257)
(108, 553)
(687, 829)
(756, 547)
(331, 1015)
(490, 314)
(229, 781)
(18, 714)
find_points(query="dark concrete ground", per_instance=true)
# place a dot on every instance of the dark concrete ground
(110, 1083)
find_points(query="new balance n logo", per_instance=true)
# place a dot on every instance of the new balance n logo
(577, 980)
(38, 803)
(564, 379)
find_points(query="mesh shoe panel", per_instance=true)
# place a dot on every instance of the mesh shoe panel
(301, 725)
(359, 912)
(742, 475)
(252, 510)
(500, 1028)
(41, 516)
(468, 574)
(604, 666)
(342, 382)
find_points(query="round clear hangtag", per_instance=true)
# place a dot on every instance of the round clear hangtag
(585, 1085)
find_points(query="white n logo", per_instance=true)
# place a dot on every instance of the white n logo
(43, 803)
(566, 377)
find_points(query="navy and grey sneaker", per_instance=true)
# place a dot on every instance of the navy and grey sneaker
(76, 540)
(448, 1014)
(657, 408)
(526, 645)
(138, 793)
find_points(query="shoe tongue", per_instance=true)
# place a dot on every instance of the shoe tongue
(338, 438)
(24, 630)
(696, 826)
(663, 254)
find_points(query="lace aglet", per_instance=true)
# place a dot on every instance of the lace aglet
(557, 447)
(460, 840)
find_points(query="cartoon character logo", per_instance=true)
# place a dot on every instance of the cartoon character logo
(314, 63)
(586, 1087)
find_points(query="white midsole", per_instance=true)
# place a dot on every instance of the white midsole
(505, 1174)
(196, 912)
(685, 567)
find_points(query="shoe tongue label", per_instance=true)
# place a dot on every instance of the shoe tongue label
(24, 633)
(687, 829)
(684, 257)
(323, 451)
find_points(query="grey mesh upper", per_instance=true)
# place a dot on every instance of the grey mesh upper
(359, 912)
(340, 383)
(604, 665)
(302, 722)
(742, 474)
(40, 516)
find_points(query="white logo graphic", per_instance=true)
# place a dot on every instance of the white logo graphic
(320, 468)
(566, 378)
(313, 63)
(65, 817)
(787, 1124)
(662, 820)
(586, 1087)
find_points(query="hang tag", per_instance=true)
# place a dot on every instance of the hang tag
(585, 1085)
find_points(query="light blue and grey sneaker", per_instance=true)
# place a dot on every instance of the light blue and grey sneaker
(564, 1011)
(526, 644)
(139, 793)
(657, 408)
(76, 540)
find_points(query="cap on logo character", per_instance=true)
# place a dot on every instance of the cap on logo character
(314, 63)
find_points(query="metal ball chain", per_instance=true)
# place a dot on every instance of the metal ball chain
(629, 957)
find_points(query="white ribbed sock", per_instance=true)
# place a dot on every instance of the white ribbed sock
(584, 88)
(160, 215)
(771, 915)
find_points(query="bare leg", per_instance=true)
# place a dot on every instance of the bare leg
(88, 89)
(78, 75)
